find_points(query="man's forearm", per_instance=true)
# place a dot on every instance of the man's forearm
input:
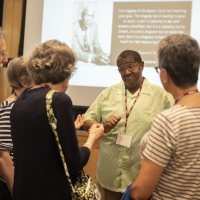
(88, 124)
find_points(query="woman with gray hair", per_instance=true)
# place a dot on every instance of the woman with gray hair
(19, 79)
(171, 149)
(39, 173)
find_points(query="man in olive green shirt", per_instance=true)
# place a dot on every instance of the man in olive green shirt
(126, 110)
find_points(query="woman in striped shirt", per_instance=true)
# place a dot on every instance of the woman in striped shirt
(19, 80)
(171, 149)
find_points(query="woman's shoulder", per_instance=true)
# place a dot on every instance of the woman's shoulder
(174, 113)
(5, 110)
(62, 97)
(176, 109)
(6, 104)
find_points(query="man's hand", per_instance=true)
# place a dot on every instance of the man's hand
(110, 123)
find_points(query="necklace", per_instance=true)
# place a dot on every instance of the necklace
(186, 94)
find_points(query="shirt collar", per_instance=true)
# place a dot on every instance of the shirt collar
(146, 88)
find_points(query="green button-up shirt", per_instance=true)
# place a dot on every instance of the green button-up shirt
(118, 165)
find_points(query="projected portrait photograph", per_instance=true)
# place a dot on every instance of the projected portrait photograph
(86, 37)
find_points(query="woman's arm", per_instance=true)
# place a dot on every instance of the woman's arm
(96, 131)
(146, 181)
(7, 169)
(75, 157)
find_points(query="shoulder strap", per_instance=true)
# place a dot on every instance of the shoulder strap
(53, 124)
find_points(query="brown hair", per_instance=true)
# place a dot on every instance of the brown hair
(17, 73)
(51, 62)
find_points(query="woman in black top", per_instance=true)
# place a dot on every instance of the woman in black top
(39, 172)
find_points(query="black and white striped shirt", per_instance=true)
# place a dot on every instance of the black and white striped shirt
(5, 126)
(173, 142)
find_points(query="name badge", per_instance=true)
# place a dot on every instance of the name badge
(124, 140)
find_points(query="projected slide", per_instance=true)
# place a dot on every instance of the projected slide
(141, 25)
(138, 25)
(99, 30)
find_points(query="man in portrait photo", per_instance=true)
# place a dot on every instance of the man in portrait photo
(85, 39)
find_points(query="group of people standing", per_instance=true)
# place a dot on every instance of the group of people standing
(38, 170)
(149, 136)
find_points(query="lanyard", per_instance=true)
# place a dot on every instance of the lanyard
(127, 112)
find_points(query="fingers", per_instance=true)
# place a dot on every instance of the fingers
(112, 120)
(110, 123)
(96, 131)
(79, 121)
(97, 126)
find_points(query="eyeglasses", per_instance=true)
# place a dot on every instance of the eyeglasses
(131, 68)
(157, 69)
(3, 53)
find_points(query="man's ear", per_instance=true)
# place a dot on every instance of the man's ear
(142, 65)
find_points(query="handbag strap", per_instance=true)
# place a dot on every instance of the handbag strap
(53, 123)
